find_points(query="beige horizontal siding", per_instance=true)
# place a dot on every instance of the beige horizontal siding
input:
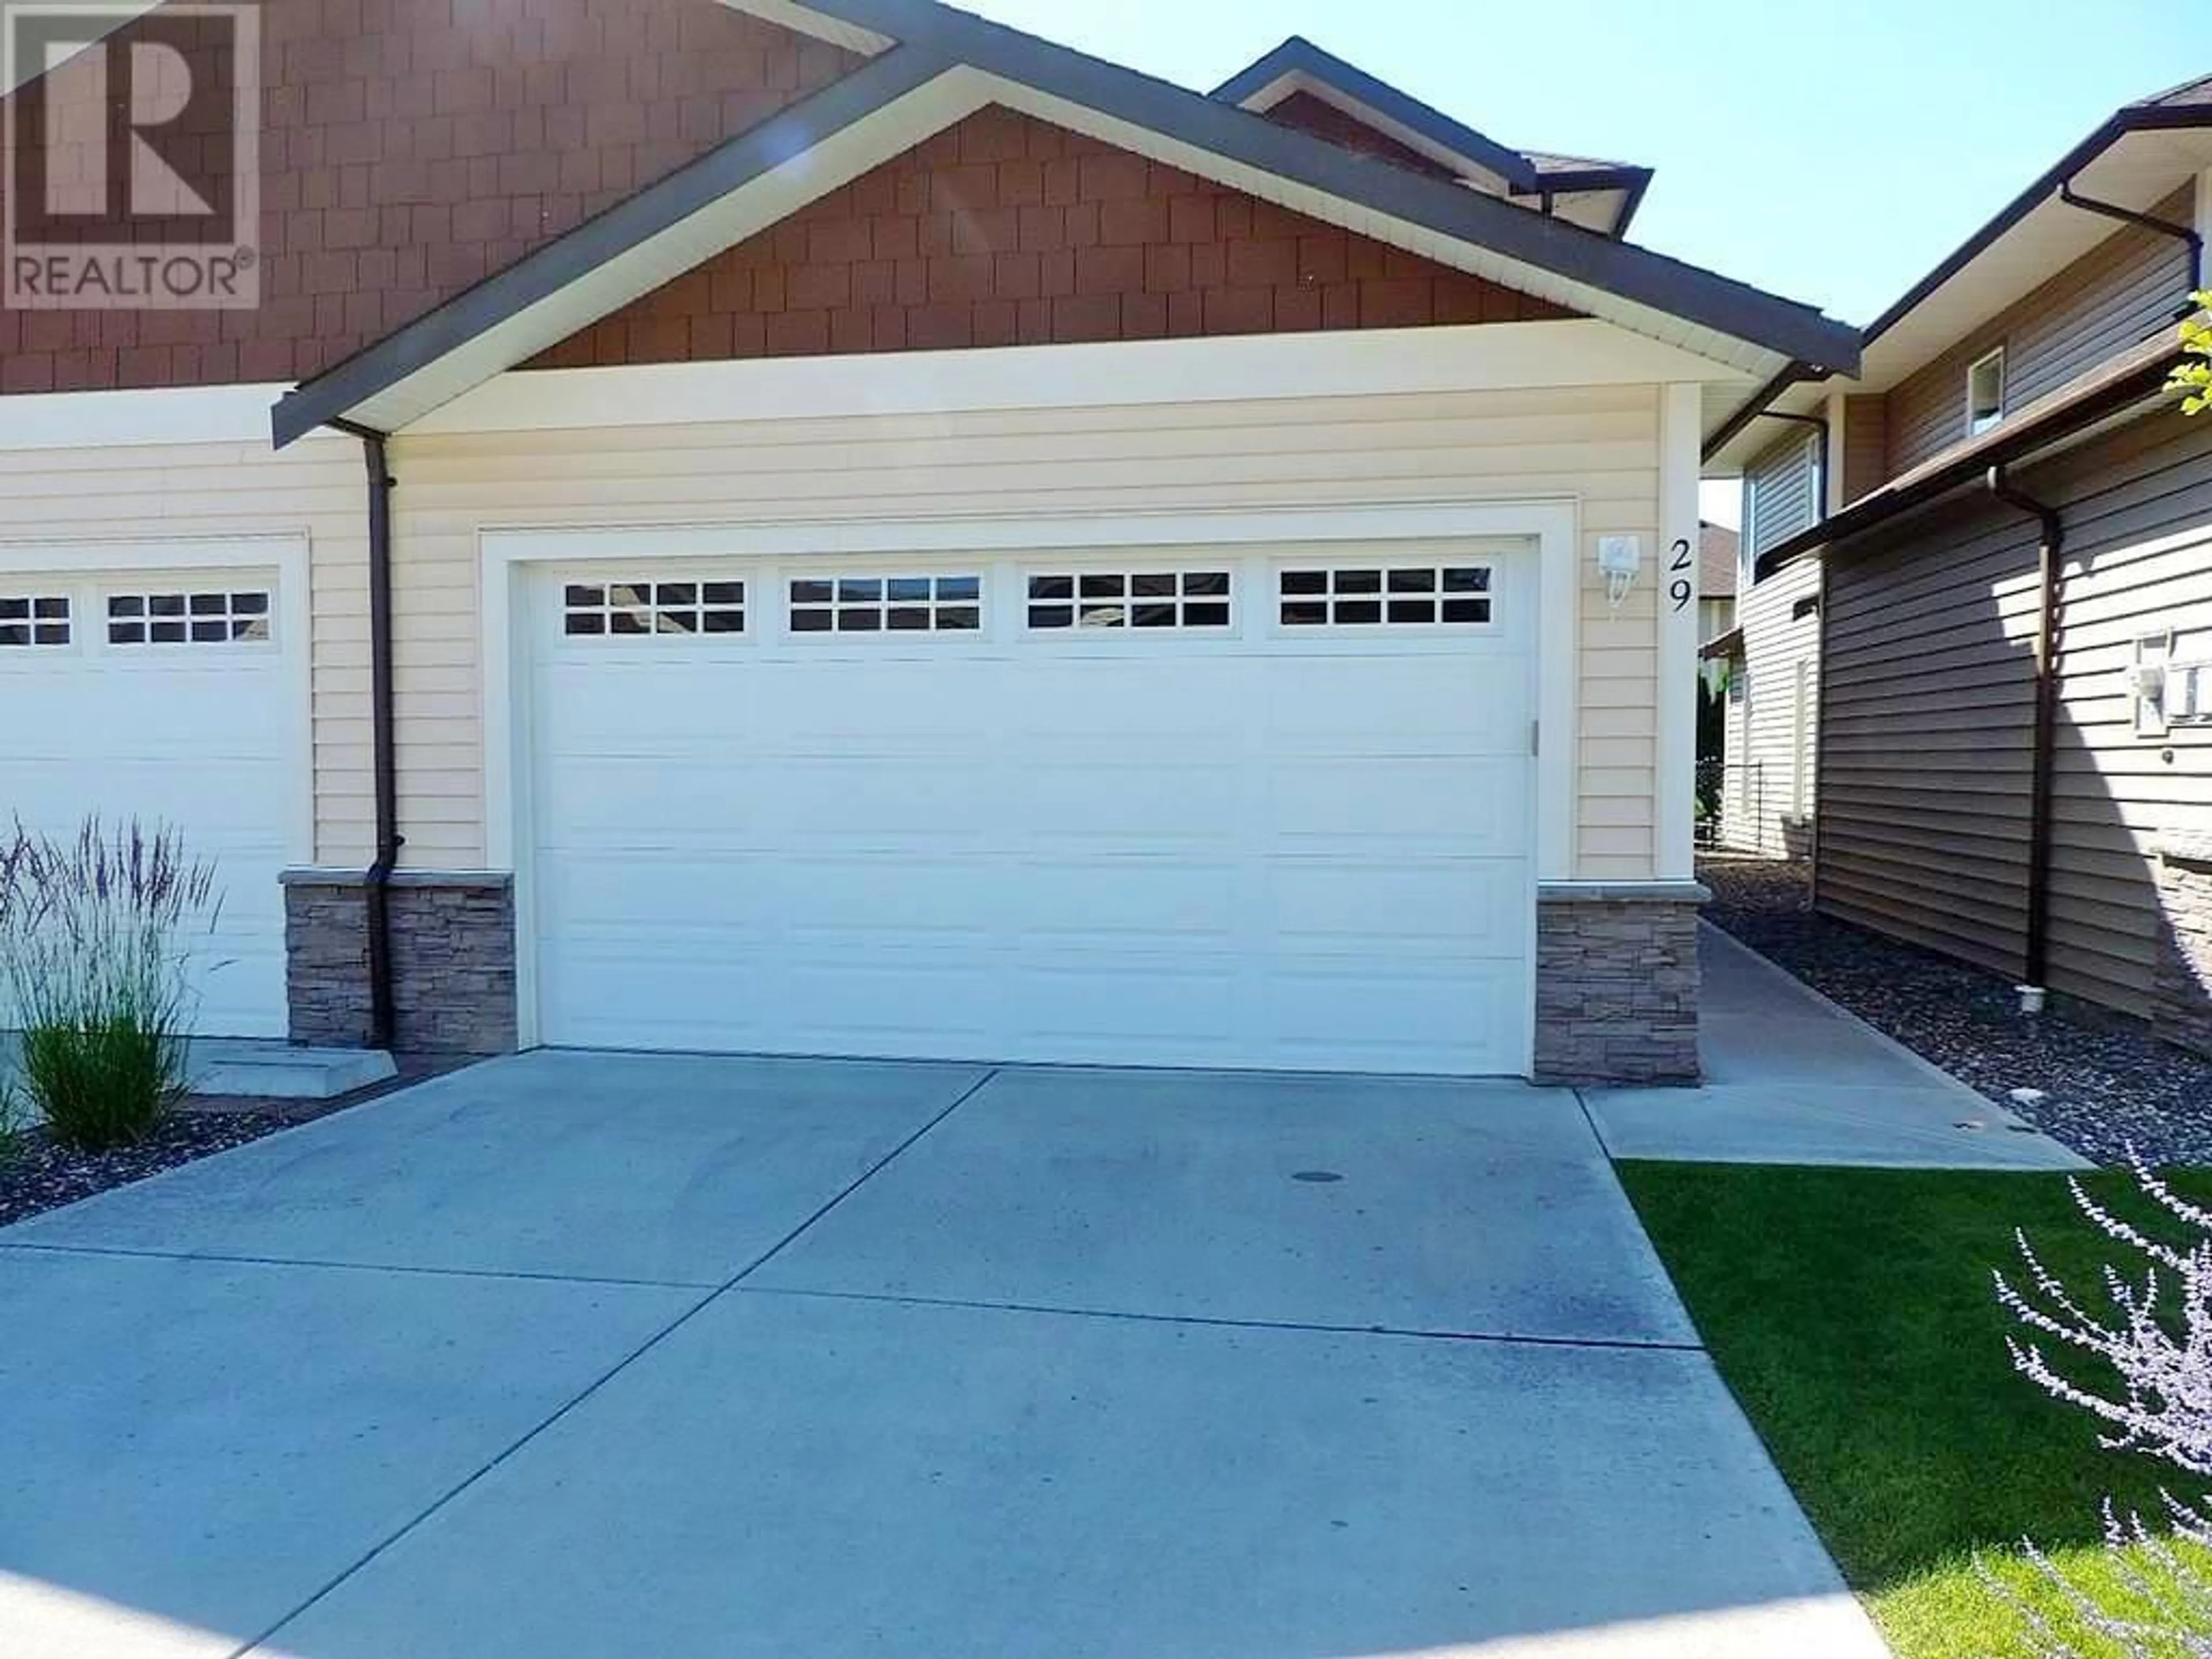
(2118, 295)
(152, 494)
(1765, 746)
(1598, 447)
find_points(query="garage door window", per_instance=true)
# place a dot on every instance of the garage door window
(30, 620)
(1150, 598)
(642, 610)
(886, 604)
(187, 619)
(1371, 596)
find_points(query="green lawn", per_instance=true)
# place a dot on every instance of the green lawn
(1851, 1311)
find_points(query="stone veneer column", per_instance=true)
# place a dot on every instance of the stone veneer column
(452, 960)
(1617, 983)
(2182, 1009)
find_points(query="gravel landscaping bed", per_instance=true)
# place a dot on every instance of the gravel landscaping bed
(45, 1176)
(2106, 1084)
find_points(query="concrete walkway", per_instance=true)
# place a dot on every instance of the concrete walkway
(1793, 1079)
(570, 1355)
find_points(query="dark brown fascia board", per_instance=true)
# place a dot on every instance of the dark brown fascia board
(1758, 405)
(327, 398)
(935, 39)
(1298, 55)
(2118, 385)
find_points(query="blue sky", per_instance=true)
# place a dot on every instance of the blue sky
(1795, 144)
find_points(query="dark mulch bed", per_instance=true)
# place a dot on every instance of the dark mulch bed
(2106, 1084)
(45, 1176)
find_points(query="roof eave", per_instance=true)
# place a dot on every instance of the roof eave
(938, 41)
(2100, 397)
(2133, 119)
(1298, 55)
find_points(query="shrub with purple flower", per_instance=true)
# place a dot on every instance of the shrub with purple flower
(2152, 1333)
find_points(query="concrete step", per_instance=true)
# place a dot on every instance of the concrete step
(278, 1071)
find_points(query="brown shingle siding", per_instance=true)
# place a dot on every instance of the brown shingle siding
(411, 148)
(947, 247)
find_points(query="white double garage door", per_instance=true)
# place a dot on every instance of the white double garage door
(1251, 809)
(169, 696)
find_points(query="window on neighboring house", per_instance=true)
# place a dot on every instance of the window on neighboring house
(1985, 393)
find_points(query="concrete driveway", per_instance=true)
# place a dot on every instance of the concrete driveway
(578, 1355)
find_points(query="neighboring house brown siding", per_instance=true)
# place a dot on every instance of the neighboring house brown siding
(2118, 295)
(1866, 445)
(1926, 754)
(1311, 114)
(1004, 231)
(1771, 731)
(409, 150)
(1781, 488)
(2138, 510)
(1926, 766)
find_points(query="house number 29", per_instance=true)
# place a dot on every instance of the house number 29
(1682, 592)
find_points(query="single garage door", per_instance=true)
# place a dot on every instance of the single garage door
(163, 696)
(1266, 810)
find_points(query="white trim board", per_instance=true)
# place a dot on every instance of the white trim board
(1473, 357)
(165, 415)
(1553, 525)
(1674, 807)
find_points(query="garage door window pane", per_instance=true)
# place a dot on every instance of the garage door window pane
(640, 610)
(886, 604)
(30, 620)
(1403, 596)
(201, 617)
(1141, 599)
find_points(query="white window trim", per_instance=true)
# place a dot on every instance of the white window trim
(1192, 563)
(788, 608)
(1412, 559)
(1554, 523)
(1996, 355)
(31, 597)
(145, 592)
(618, 576)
